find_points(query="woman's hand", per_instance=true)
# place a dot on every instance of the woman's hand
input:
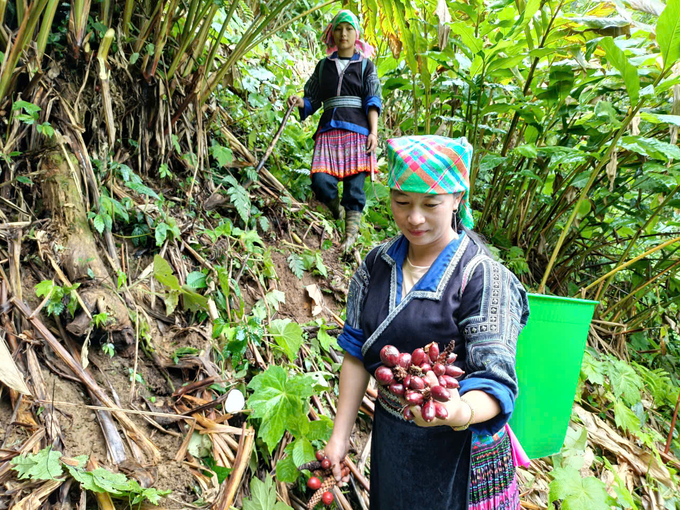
(336, 450)
(371, 143)
(296, 101)
(459, 412)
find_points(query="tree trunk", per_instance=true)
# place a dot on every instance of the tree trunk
(79, 256)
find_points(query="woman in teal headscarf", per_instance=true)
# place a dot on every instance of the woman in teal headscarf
(346, 85)
(436, 282)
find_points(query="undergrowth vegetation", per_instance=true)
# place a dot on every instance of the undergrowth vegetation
(159, 111)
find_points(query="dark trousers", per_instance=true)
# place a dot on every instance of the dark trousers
(325, 188)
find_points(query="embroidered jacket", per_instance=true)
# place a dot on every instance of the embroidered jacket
(363, 85)
(465, 296)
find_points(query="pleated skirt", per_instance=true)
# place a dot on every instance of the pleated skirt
(342, 154)
(493, 484)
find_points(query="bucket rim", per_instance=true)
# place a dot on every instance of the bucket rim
(564, 299)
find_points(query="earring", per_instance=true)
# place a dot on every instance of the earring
(455, 221)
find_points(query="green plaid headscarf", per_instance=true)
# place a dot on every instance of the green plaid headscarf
(434, 165)
(346, 16)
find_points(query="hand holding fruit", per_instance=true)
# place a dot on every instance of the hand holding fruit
(335, 452)
(322, 481)
(426, 380)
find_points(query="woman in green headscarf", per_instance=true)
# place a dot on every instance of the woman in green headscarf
(435, 283)
(346, 85)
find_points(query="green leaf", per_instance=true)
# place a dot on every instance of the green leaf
(288, 335)
(528, 150)
(43, 465)
(161, 234)
(625, 418)
(142, 189)
(163, 273)
(327, 341)
(196, 280)
(239, 197)
(278, 402)
(223, 155)
(618, 59)
(98, 223)
(29, 108)
(297, 265)
(200, 445)
(320, 430)
(668, 33)
(320, 265)
(577, 493)
(263, 496)
(650, 147)
(467, 35)
(193, 300)
(44, 288)
(274, 298)
(625, 382)
(660, 119)
(286, 471)
(593, 369)
(490, 161)
(303, 451)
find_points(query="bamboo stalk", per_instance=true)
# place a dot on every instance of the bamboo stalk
(631, 295)
(77, 24)
(638, 234)
(631, 261)
(670, 434)
(45, 28)
(23, 38)
(218, 41)
(603, 161)
(200, 40)
(241, 49)
(102, 55)
(127, 16)
(161, 39)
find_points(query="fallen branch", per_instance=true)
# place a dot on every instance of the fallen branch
(137, 435)
(230, 486)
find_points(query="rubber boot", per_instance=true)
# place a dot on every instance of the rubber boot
(352, 221)
(334, 208)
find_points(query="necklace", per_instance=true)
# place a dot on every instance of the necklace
(408, 260)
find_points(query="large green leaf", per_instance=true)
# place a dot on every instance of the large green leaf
(43, 465)
(625, 418)
(625, 382)
(263, 496)
(578, 493)
(618, 59)
(288, 335)
(163, 273)
(668, 33)
(280, 402)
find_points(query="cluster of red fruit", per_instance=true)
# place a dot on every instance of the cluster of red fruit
(405, 376)
(323, 466)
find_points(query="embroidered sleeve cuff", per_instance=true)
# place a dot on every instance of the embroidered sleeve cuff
(497, 390)
(372, 101)
(307, 110)
(351, 340)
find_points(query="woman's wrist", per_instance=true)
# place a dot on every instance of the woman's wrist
(462, 417)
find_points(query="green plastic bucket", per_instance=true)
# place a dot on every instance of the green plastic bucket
(549, 355)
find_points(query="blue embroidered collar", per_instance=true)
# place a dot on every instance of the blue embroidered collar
(395, 254)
